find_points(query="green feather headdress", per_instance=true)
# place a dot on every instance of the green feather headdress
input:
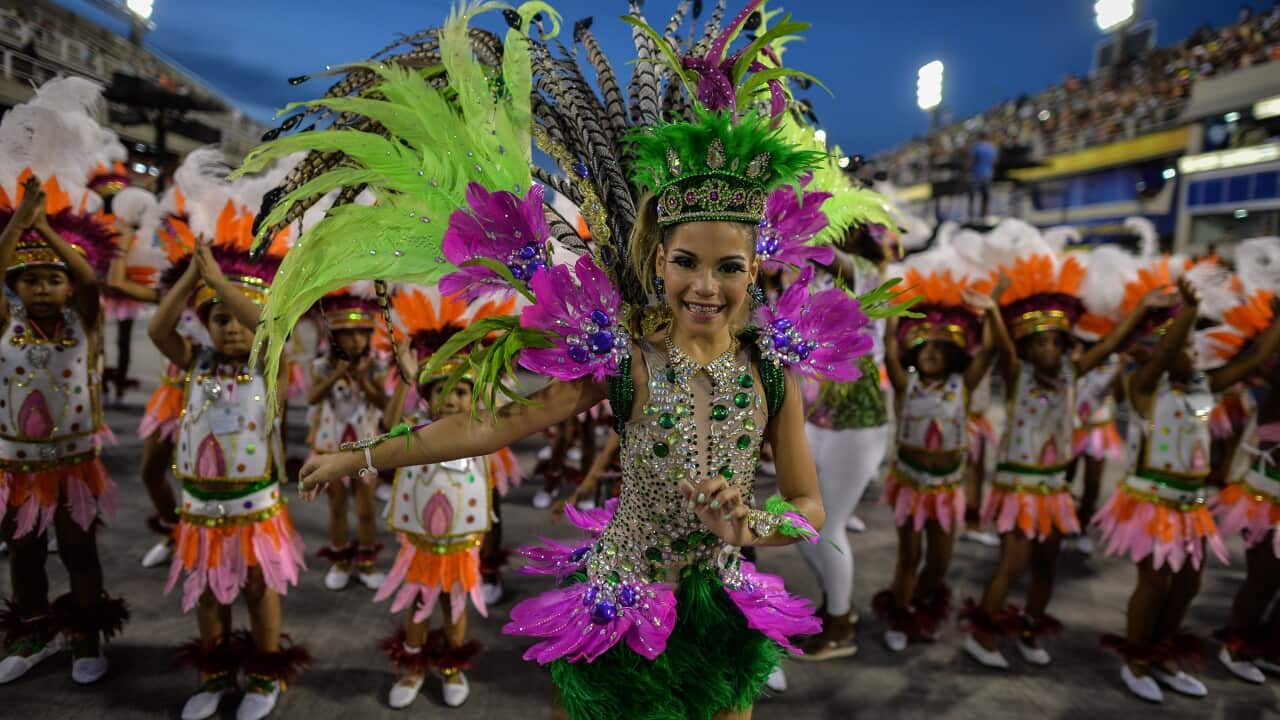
(714, 168)
(413, 137)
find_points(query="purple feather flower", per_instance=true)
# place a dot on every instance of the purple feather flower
(771, 610)
(819, 335)
(582, 320)
(499, 226)
(790, 222)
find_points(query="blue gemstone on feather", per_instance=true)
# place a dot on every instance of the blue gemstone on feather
(581, 170)
(579, 354)
(600, 317)
(529, 252)
(590, 597)
(782, 324)
(601, 342)
(781, 342)
(627, 596)
(802, 351)
(579, 554)
(517, 271)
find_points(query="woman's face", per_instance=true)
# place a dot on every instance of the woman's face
(706, 268)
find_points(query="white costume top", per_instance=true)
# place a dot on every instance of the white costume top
(49, 407)
(1174, 439)
(224, 436)
(1095, 404)
(933, 419)
(1038, 432)
(443, 506)
(344, 415)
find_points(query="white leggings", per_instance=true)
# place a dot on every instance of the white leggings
(847, 460)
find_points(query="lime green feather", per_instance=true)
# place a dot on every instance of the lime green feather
(430, 144)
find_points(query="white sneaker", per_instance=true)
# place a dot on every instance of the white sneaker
(203, 704)
(1242, 669)
(1032, 654)
(89, 670)
(337, 578)
(543, 499)
(544, 454)
(982, 538)
(15, 666)
(1180, 683)
(158, 555)
(4, 548)
(855, 524)
(492, 592)
(1268, 666)
(372, 580)
(989, 658)
(895, 640)
(587, 504)
(382, 493)
(404, 692)
(1084, 545)
(456, 693)
(1144, 687)
(573, 457)
(777, 680)
(52, 543)
(256, 705)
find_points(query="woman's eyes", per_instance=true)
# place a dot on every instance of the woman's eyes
(686, 262)
(733, 268)
(730, 267)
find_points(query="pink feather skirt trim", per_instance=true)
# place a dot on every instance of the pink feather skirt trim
(422, 575)
(217, 559)
(1101, 442)
(1250, 508)
(982, 434)
(33, 497)
(917, 497)
(1034, 510)
(1137, 525)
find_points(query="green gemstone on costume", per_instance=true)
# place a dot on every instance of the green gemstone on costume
(650, 409)
(745, 380)
(671, 375)
(613, 578)
(627, 566)
(653, 554)
(677, 474)
(708, 540)
(744, 442)
(694, 538)
(667, 421)
(742, 400)
(661, 450)
(719, 412)
(726, 472)
(678, 546)
(682, 411)
(749, 425)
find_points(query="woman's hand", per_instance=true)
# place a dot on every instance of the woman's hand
(322, 469)
(720, 507)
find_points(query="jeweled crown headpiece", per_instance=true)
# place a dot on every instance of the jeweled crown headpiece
(714, 168)
(90, 233)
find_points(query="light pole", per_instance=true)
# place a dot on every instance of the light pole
(928, 98)
(139, 12)
(1114, 17)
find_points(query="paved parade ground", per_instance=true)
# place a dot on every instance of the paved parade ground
(350, 678)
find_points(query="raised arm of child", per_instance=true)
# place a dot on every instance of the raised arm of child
(1146, 378)
(32, 205)
(1243, 364)
(163, 328)
(86, 298)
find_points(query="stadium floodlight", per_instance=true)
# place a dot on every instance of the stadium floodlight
(1112, 14)
(141, 8)
(929, 85)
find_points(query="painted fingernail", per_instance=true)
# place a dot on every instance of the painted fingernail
(702, 497)
(691, 506)
(715, 504)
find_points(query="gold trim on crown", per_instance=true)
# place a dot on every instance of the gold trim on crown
(922, 332)
(29, 254)
(1035, 321)
(253, 288)
(350, 319)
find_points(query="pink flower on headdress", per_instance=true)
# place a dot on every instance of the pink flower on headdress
(790, 222)
(582, 320)
(716, 89)
(819, 335)
(498, 226)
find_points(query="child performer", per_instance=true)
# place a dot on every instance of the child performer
(234, 533)
(346, 399)
(983, 440)
(1158, 515)
(50, 473)
(1030, 501)
(442, 513)
(934, 362)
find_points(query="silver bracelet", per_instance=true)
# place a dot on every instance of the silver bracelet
(368, 471)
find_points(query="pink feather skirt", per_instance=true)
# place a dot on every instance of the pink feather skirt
(1251, 507)
(422, 572)
(164, 408)
(34, 493)
(1037, 505)
(1100, 441)
(1147, 519)
(982, 435)
(216, 551)
(918, 496)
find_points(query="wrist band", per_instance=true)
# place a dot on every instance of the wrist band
(368, 470)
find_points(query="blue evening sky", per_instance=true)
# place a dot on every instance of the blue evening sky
(866, 53)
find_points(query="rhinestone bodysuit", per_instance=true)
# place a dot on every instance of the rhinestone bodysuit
(697, 423)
